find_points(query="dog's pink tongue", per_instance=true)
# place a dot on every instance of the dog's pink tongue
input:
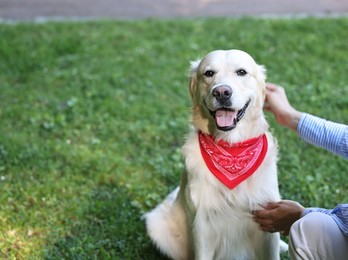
(224, 118)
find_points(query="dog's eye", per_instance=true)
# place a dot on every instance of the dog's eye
(241, 72)
(209, 73)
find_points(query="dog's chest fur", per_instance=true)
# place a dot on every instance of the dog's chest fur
(226, 214)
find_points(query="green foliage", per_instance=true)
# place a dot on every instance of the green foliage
(93, 115)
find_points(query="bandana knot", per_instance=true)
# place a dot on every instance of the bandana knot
(233, 163)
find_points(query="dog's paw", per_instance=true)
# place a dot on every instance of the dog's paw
(284, 247)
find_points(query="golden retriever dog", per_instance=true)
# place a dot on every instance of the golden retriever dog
(230, 167)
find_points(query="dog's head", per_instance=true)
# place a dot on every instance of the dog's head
(227, 89)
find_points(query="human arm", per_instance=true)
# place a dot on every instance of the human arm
(314, 130)
(325, 134)
(279, 216)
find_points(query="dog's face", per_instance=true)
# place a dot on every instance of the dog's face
(227, 87)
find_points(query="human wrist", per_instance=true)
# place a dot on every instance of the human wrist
(303, 213)
(293, 118)
(300, 212)
(297, 212)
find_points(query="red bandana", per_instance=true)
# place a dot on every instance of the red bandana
(233, 163)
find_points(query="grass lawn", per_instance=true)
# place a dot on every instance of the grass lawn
(93, 115)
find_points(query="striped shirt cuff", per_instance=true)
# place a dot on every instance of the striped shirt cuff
(325, 134)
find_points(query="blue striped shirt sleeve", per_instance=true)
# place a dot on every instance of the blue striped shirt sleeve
(339, 215)
(325, 134)
(334, 138)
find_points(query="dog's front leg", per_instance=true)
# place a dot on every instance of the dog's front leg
(205, 241)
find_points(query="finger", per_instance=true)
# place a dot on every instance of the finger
(271, 205)
(271, 86)
(266, 107)
(264, 222)
(266, 212)
(262, 214)
(269, 229)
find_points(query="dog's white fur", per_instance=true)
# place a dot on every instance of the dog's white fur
(203, 219)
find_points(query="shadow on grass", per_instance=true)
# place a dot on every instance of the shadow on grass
(111, 228)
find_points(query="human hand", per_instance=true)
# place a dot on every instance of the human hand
(278, 216)
(277, 103)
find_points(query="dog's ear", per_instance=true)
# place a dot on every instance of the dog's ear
(261, 78)
(193, 79)
(261, 74)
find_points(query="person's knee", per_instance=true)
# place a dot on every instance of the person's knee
(311, 223)
(297, 240)
(304, 233)
(313, 236)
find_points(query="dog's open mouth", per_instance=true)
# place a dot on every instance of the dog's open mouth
(226, 119)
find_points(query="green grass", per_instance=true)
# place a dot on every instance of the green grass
(93, 115)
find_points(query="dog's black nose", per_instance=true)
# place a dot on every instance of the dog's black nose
(222, 93)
